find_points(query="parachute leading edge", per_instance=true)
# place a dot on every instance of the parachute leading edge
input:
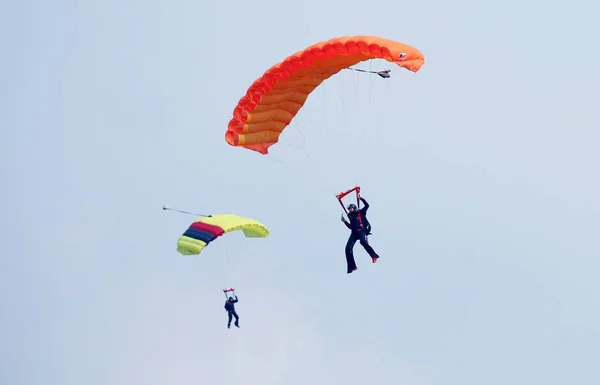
(206, 230)
(275, 98)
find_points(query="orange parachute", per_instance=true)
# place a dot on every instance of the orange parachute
(275, 98)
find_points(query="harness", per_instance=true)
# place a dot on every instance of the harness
(362, 226)
(360, 220)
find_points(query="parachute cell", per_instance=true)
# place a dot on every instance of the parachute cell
(207, 229)
(273, 100)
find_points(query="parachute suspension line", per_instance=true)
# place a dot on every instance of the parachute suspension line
(272, 120)
(356, 85)
(385, 74)
(387, 87)
(277, 159)
(289, 144)
(368, 129)
(370, 81)
(303, 146)
(341, 78)
(321, 90)
(381, 124)
(357, 91)
(296, 122)
(317, 174)
(165, 207)
(318, 170)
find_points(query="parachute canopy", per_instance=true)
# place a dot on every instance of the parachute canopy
(275, 98)
(207, 229)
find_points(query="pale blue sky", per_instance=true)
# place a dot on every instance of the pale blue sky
(481, 170)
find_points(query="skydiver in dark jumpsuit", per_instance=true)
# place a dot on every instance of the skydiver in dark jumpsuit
(360, 227)
(230, 307)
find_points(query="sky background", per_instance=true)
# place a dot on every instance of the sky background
(481, 171)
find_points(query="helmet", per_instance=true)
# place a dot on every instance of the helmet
(231, 298)
(352, 207)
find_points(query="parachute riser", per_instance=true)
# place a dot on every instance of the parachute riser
(341, 196)
(229, 290)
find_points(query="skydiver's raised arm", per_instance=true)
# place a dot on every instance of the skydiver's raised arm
(365, 203)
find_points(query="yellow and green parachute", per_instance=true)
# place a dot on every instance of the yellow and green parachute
(207, 229)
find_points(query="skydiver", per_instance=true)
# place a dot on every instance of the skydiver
(230, 308)
(360, 229)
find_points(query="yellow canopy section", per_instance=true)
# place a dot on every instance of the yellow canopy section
(190, 246)
(207, 229)
(229, 222)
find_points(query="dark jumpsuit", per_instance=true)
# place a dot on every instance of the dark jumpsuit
(230, 307)
(360, 227)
